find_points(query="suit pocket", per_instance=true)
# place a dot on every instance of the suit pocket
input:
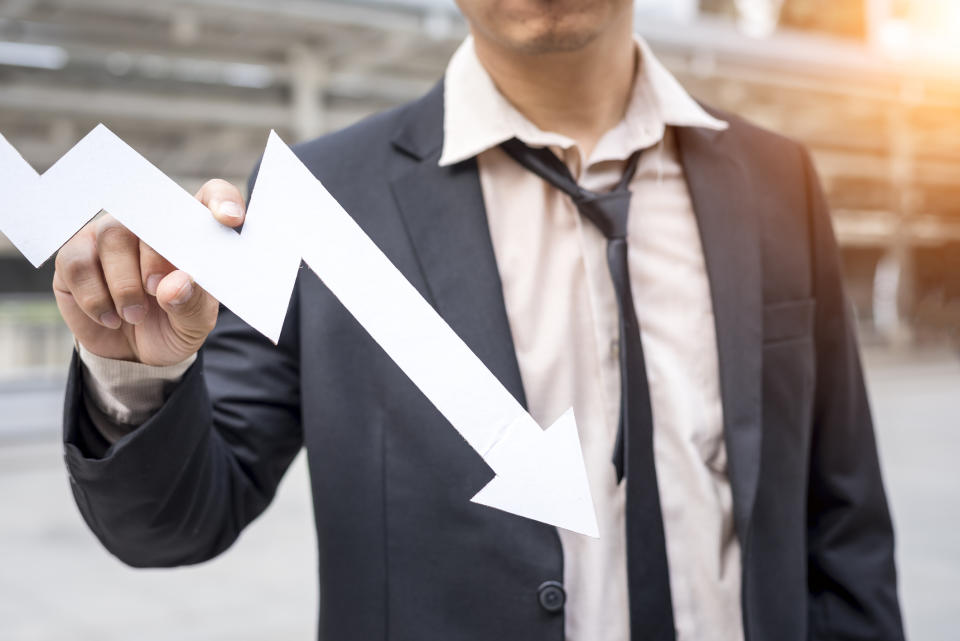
(788, 320)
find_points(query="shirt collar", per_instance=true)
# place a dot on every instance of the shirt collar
(477, 117)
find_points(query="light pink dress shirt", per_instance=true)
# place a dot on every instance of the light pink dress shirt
(562, 311)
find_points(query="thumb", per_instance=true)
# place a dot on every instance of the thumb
(191, 310)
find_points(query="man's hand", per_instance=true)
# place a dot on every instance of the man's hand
(122, 300)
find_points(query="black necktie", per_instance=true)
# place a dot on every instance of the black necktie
(651, 609)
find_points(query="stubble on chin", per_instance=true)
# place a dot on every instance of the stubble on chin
(547, 28)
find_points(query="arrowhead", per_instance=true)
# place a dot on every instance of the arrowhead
(541, 476)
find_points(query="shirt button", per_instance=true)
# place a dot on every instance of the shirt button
(551, 596)
(615, 349)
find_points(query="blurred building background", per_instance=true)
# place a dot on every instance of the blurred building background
(872, 87)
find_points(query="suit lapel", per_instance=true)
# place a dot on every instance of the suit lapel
(729, 233)
(444, 214)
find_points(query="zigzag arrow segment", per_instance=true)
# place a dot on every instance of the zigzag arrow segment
(539, 474)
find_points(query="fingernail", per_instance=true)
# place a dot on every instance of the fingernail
(183, 295)
(133, 314)
(153, 281)
(230, 209)
(111, 320)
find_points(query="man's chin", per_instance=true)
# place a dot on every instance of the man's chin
(542, 27)
(554, 42)
(555, 36)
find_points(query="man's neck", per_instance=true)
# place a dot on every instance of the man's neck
(580, 94)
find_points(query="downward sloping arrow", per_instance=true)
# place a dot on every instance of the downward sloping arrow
(540, 473)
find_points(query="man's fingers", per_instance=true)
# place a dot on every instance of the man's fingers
(192, 311)
(224, 200)
(119, 252)
(153, 268)
(78, 275)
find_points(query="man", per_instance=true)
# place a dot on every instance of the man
(667, 270)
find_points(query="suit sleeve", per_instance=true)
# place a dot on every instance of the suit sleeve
(851, 573)
(120, 395)
(181, 487)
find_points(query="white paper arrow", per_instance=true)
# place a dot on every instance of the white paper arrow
(539, 473)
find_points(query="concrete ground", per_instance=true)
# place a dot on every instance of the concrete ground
(57, 583)
(916, 405)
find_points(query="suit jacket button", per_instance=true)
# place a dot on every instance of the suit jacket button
(551, 596)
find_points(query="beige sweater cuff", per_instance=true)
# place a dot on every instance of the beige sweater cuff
(121, 395)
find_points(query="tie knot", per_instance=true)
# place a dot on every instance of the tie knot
(608, 212)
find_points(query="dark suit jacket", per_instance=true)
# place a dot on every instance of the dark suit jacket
(403, 553)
